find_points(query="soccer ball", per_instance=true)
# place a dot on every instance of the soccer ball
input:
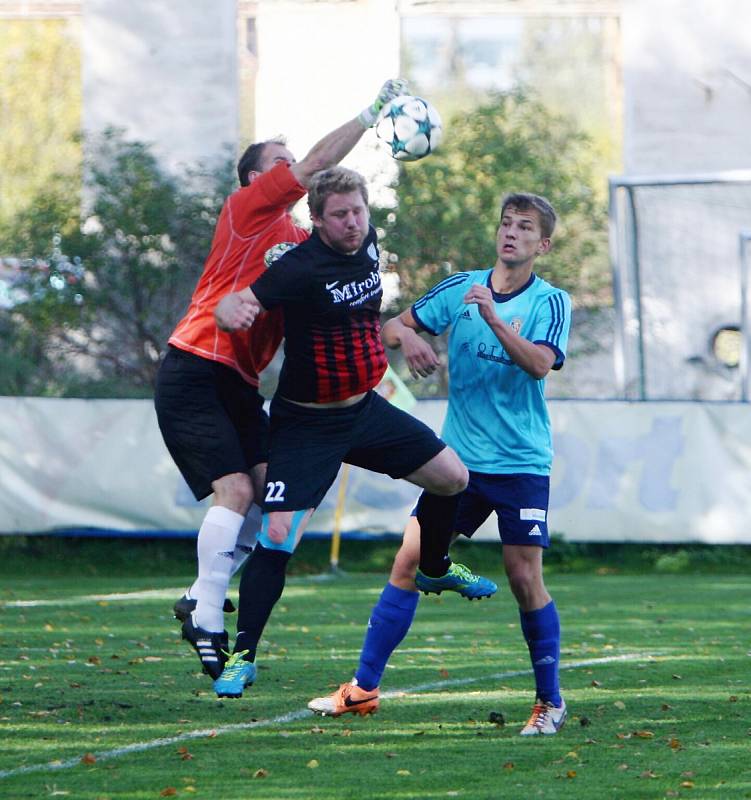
(411, 126)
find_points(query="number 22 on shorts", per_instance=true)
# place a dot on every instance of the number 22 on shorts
(275, 491)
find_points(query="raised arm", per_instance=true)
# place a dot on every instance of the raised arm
(402, 332)
(335, 145)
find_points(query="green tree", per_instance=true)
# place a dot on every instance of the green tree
(40, 107)
(447, 205)
(102, 291)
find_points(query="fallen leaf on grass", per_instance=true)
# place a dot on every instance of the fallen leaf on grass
(392, 755)
(317, 729)
(675, 744)
(644, 734)
(666, 707)
(596, 684)
(403, 772)
(648, 773)
(497, 718)
(94, 660)
(619, 704)
(509, 765)
(677, 677)
(261, 773)
(733, 698)
(585, 721)
(312, 764)
(88, 758)
(571, 773)
(444, 673)
(184, 753)
(687, 784)
(168, 791)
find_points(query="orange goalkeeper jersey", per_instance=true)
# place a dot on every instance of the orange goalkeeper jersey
(253, 219)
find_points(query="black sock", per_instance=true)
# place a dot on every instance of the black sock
(436, 514)
(261, 586)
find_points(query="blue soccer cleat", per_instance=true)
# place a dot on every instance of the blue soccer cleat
(237, 674)
(458, 579)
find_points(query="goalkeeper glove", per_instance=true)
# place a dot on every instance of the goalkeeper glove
(391, 89)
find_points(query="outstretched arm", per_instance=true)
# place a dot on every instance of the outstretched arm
(237, 310)
(335, 145)
(402, 332)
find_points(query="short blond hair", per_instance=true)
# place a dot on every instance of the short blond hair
(337, 180)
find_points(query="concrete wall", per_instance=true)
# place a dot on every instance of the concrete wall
(687, 85)
(165, 71)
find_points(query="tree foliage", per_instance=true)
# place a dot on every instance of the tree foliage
(448, 204)
(40, 101)
(102, 290)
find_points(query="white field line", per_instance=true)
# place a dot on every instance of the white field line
(147, 594)
(140, 747)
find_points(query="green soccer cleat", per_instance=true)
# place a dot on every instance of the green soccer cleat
(458, 579)
(237, 674)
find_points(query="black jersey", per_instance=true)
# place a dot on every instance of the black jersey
(332, 327)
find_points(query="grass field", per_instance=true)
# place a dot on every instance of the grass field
(101, 699)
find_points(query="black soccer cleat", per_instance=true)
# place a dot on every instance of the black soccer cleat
(211, 647)
(185, 606)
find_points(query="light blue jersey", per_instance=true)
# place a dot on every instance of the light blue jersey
(497, 419)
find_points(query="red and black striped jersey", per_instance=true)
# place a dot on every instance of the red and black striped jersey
(332, 329)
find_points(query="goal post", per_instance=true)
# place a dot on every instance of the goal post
(678, 283)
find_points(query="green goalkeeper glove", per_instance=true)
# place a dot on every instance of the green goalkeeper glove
(391, 89)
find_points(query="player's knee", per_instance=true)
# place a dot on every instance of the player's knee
(523, 584)
(234, 492)
(278, 532)
(455, 479)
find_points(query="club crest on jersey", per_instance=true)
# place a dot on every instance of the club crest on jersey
(373, 252)
(516, 324)
(356, 291)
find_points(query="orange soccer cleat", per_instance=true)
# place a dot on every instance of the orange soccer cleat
(349, 698)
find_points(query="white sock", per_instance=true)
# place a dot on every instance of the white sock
(248, 537)
(217, 537)
(246, 541)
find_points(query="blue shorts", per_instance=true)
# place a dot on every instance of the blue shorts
(520, 502)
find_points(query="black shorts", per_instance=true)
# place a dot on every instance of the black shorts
(212, 421)
(308, 445)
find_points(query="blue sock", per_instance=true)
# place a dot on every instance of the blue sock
(542, 630)
(388, 625)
